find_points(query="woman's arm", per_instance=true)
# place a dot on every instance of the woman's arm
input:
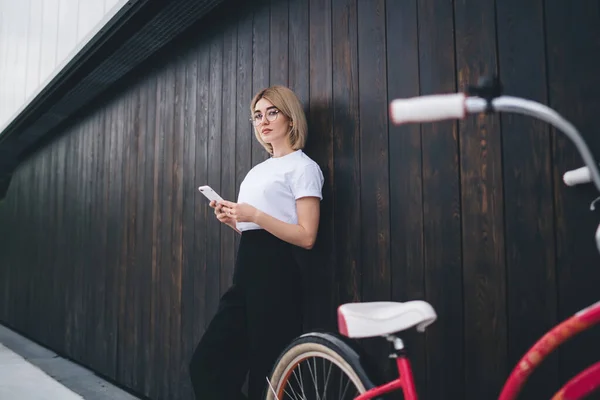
(302, 234)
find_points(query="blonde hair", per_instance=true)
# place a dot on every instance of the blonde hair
(289, 105)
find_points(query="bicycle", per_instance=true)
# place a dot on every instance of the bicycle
(294, 375)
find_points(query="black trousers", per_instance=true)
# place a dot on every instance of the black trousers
(256, 319)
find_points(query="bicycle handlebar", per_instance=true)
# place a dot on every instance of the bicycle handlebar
(440, 107)
(577, 176)
(430, 108)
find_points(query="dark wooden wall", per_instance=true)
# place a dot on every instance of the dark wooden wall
(110, 256)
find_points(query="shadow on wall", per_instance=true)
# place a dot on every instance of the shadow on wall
(321, 287)
(4, 185)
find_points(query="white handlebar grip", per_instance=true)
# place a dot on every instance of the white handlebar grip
(429, 108)
(577, 176)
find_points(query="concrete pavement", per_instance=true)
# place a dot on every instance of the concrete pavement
(31, 372)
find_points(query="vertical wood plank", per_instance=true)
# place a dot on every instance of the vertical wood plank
(374, 150)
(166, 261)
(174, 352)
(526, 143)
(146, 368)
(244, 133)
(53, 248)
(86, 261)
(94, 239)
(159, 225)
(320, 148)
(71, 209)
(119, 232)
(99, 274)
(213, 256)
(138, 247)
(299, 82)
(298, 42)
(406, 191)
(128, 308)
(162, 131)
(26, 194)
(105, 251)
(135, 265)
(189, 312)
(346, 133)
(34, 284)
(374, 161)
(62, 242)
(228, 146)
(77, 226)
(44, 204)
(123, 290)
(279, 46)
(572, 56)
(260, 64)
(55, 342)
(482, 214)
(202, 210)
(442, 248)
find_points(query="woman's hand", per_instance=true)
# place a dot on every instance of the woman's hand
(221, 215)
(240, 212)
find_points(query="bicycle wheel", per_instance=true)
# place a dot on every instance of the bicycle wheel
(318, 366)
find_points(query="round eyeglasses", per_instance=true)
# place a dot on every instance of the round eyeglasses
(258, 118)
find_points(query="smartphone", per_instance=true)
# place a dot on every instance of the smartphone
(209, 193)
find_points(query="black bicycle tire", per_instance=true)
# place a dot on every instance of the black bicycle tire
(333, 343)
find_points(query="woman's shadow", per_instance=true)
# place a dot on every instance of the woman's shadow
(320, 267)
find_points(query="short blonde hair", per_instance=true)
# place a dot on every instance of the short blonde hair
(287, 103)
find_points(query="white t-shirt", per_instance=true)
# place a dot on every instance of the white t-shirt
(274, 185)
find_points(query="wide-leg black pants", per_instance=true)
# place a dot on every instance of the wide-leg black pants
(257, 317)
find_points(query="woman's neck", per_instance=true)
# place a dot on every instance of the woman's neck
(282, 150)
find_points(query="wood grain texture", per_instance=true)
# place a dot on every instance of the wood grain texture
(228, 151)
(244, 131)
(374, 164)
(278, 42)
(405, 174)
(442, 245)
(346, 134)
(189, 263)
(319, 147)
(526, 144)
(261, 68)
(482, 196)
(215, 145)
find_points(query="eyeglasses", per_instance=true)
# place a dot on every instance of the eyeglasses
(258, 118)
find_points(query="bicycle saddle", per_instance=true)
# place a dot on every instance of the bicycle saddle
(381, 318)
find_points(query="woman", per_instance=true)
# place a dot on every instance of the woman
(277, 212)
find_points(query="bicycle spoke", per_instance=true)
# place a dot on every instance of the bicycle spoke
(302, 384)
(294, 395)
(314, 377)
(344, 395)
(328, 375)
(315, 384)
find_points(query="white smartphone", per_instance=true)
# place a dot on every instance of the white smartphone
(209, 193)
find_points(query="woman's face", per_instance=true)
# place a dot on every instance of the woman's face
(272, 125)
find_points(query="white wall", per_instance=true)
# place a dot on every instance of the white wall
(39, 37)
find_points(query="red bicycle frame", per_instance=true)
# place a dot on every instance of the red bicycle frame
(579, 386)
(405, 382)
(579, 322)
